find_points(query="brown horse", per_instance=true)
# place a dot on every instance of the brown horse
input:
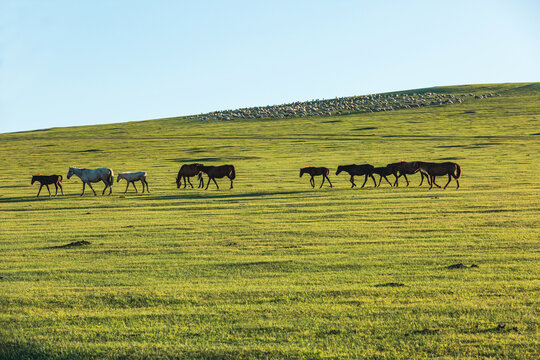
(219, 172)
(364, 169)
(186, 171)
(48, 180)
(453, 170)
(404, 168)
(316, 171)
(383, 172)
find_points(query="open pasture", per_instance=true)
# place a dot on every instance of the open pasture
(274, 268)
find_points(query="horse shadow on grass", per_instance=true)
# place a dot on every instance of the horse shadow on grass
(225, 195)
(26, 199)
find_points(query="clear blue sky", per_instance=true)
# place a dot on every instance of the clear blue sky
(66, 63)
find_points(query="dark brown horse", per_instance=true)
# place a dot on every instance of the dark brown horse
(316, 171)
(364, 169)
(218, 172)
(404, 168)
(48, 180)
(383, 172)
(188, 170)
(453, 170)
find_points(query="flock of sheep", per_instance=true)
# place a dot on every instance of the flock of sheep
(344, 105)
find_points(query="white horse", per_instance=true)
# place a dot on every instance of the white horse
(89, 176)
(131, 177)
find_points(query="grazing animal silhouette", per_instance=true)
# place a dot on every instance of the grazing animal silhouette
(383, 172)
(131, 177)
(218, 172)
(364, 169)
(48, 180)
(316, 171)
(453, 170)
(89, 176)
(404, 168)
(186, 171)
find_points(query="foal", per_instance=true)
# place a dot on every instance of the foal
(365, 169)
(131, 177)
(48, 180)
(316, 171)
(219, 172)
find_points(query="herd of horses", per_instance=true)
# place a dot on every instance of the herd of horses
(428, 170)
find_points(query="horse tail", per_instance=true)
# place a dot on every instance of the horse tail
(111, 177)
(232, 173)
(457, 171)
(60, 178)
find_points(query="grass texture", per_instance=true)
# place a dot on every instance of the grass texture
(275, 269)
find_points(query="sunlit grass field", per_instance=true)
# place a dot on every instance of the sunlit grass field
(273, 268)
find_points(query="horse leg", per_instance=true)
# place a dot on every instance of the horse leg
(323, 177)
(89, 184)
(209, 178)
(365, 180)
(41, 185)
(374, 182)
(352, 181)
(147, 189)
(231, 184)
(133, 183)
(106, 186)
(433, 181)
(215, 183)
(312, 181)
(142, 183)
(397, 177)
(421, 180)
(327, 178)
(385, 178)
(449, 179)
(56, 187)
(127, 185)
(49, 190)
(405, 176)
(189, 182)
(62, 190)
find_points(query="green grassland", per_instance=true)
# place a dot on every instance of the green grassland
(273, 268)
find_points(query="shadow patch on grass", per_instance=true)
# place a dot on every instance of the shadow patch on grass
(500, 328)
(390, 284)
(73, 244)
(365, 128)
(331, 121)
(222, 194)
(88, 150)
(424, 331)
(192, 160)
(18, 350)
(461, 266)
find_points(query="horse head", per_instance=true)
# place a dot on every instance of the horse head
(302, 171)
(70, 172)
(339, 169)
(33, 180)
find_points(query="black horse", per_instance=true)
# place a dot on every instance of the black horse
(365, 169)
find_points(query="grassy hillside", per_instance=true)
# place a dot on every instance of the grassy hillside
(273, 268)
